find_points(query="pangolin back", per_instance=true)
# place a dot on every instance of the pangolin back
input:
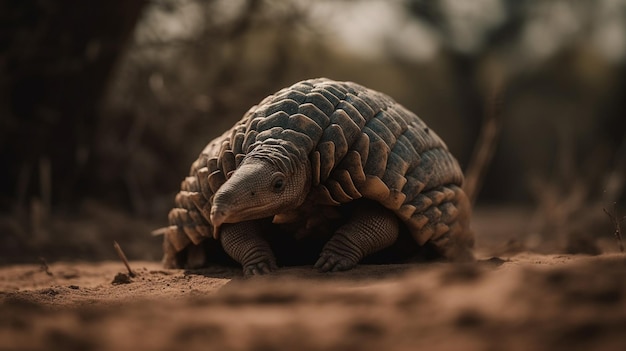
(360, 143)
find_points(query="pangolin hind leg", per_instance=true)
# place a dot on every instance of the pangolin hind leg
(370, 229)
(243, 242)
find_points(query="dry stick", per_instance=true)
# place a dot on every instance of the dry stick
(485, 146)
(120, 253)
(617, 223)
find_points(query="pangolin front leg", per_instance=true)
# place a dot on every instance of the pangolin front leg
(242, 241)
(371, 229)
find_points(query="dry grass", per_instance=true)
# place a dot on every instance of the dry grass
(485, 145)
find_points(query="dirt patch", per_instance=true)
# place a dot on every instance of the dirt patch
(527, 301)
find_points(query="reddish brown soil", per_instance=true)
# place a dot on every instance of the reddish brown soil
(524, 302)
(511, 299)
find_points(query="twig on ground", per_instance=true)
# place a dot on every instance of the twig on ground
(120, 253)
(617, 223)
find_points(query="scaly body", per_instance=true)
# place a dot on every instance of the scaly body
(327, 159)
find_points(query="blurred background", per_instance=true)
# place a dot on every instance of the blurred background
(105, 104)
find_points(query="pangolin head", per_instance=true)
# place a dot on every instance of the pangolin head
(268, 181)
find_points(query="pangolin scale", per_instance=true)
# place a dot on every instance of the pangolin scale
(357, 152)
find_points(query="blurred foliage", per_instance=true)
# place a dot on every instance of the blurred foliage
(108, 102)
(195, 67)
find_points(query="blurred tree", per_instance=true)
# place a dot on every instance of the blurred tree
(55, 63)
(193, 69)
(554, 60)
(469, 32)
(114, 100)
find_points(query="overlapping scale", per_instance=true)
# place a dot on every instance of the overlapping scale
(359, 143)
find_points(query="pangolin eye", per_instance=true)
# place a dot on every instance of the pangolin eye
(278, 182)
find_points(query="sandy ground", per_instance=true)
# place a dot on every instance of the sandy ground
(523, 302)
(512, 298)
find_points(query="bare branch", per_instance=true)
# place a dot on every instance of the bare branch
(120, 253)
(485, 145)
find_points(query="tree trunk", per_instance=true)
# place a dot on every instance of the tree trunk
(55, 60)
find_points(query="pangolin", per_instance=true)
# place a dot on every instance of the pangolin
(325, 160)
